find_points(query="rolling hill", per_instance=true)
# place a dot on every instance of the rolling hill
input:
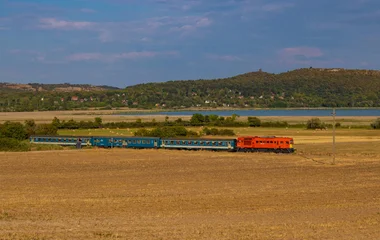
(298, 88)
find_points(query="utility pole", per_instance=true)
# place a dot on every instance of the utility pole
(333, 114)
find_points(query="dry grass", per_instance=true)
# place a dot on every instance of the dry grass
(161, 194)
(111, 116)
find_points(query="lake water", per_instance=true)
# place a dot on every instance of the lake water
(270, 112)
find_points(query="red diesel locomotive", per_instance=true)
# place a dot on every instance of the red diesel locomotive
(265, 144)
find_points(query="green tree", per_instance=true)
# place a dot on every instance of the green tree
(56, 122)
(98, 122)
(13, 130)
(315, 123)
(254, 122)
(376, 124)
(46, 129)
(30, 127)
(197, 119)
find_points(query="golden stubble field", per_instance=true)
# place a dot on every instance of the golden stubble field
(116, 116)
(162, 194)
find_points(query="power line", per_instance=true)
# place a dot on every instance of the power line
(333, 114)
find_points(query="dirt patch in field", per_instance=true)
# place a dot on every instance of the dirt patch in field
(161, 194)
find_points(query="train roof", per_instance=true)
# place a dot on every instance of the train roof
(198, 139)
(71, 136)
(263, 137)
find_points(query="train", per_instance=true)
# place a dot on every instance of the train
(239, 144)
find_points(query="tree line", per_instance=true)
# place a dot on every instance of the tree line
(181, 131)
(195, 121)
(199, 120)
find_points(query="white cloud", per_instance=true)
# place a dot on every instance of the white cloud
(275, 7)
(306, 56)
(223, 57)
(113, 31)
(117, 56)
(52, 23)
(301, 51)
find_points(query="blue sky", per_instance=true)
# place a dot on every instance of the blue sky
(126, 42)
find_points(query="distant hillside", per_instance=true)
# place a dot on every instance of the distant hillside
(65, 87)
(297, 88)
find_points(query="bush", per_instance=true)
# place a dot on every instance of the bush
(376, 124)
(315, 123)
(254, 122)
(165, 132)
(275, 124)
(14, 145)
(216, 132)
(13, 130)
(46, 129)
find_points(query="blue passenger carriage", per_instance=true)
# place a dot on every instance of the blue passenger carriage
(62, 140)
(127, 142)
(199, 143)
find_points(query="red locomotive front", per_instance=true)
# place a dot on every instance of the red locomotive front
(265, 144)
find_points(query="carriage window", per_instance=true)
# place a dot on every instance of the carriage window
(195, 142)
(287, 142)
(271, 141)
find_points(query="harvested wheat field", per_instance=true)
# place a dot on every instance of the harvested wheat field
(161, 194)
